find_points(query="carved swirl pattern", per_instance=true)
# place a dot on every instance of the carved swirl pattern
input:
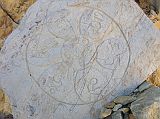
(83, 61)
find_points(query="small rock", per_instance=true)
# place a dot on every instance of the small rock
(105, 112)
(110, 105)
(116, 107)
(124, 99)
(117, 115)
(145, 85)
(124, 110)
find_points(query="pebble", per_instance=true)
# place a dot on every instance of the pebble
(124, 99)
(105, 112)
(110, 105)
(116, 107)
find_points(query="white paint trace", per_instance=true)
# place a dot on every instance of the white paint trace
(67, 58)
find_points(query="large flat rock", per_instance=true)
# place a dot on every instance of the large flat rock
(67, 58)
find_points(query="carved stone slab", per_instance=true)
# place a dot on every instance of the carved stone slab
(69, 57)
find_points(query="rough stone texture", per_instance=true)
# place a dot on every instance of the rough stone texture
(67, 58)
(11, 12)
(145, 5)
(147, 106)
(152, 10)
(155, 78)
(5, 106)
(6, 26)
(16, 8)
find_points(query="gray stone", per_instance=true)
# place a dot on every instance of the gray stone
(147, 105)
(67, 57)
(105, 112)
(145, 85)
(124, 99)
(116, 107)
(117, 115)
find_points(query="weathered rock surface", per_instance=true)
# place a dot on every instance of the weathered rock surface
(5, 106)
(15, 9)
(155, 78)
(69, 57)
(147, 106)
(11, 12)
(6, 26)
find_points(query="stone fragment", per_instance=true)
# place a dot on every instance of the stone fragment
(145, 85)
(110, 105)
(116, 107)
(124, 99)
(105, 112)
(147, 105)
(124, 110)
(117, 115)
